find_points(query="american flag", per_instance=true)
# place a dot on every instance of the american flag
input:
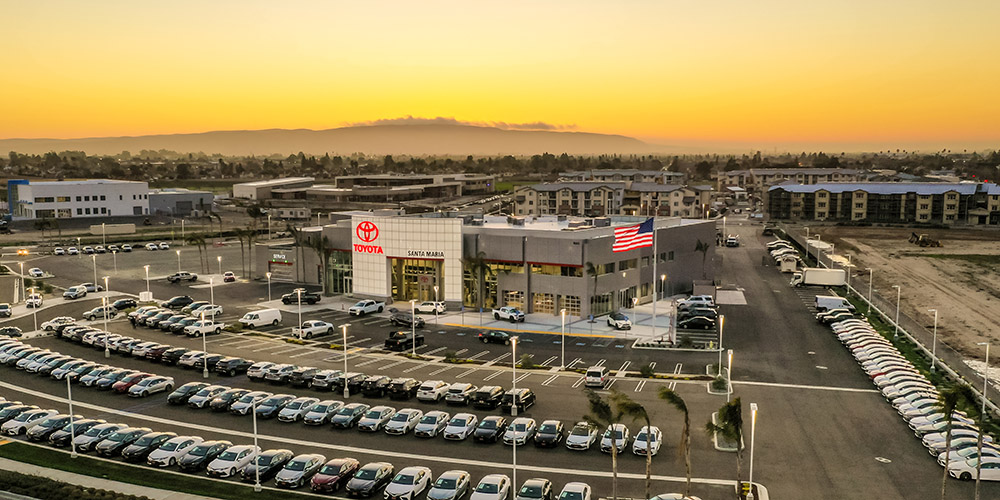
(632, 237)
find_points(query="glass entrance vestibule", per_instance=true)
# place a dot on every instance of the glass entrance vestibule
(415, 279)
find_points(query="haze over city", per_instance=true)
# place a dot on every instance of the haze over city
(681, 76)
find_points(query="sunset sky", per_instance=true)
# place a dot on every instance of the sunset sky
(851, 74)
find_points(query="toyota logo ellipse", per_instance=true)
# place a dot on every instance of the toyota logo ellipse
(367, 231)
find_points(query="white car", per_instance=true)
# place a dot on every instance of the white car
(581, 437)
(58, 251)
(36, 272)
(520, 431)
(204, 396)
(461, 426)
(312, 328)
(431, 307)
(620, 432)
(937, 439)
(492, 487)
(151, 385)
(189, 359)
(20, 424)
(126, 248)
(34, 300)
(408, 483)
(431, 424)
(966, 451)
(56, 322)
(232, 460)
(209, 310)
(72, 251)
(576, 491)
(432, 390)
(653, 435)
(375, 418)
(296, 409)
(403, 421)
(164, 245)
(168, 453)
(989, 470)
(460, 393)
(151, 247)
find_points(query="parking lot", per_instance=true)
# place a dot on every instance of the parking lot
(822, 430)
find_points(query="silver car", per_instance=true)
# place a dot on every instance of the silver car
(403, 421)
(431, 424)
(299, 470)
(205, 396)
(375, 418)
(321, 412)
(296, 409)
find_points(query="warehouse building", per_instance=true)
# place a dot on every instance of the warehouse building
(261, 190)
(76, 198)
(180, 202)
(541, 264)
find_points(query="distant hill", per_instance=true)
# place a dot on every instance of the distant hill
(422, 139)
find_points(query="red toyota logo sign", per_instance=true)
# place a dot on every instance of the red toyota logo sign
(367, 231)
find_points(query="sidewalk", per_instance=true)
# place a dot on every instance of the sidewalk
(94, 482)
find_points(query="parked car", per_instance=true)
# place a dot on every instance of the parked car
(151, 385)
(171, 450)
(615, 435)
(225, 399)
(306, 297)
(431, 307)
(461, 426)
(302, 376)
(376, 386)
(403, 388)
(460, 393)
(280, 373)
(492, 487)
(177, 302)
(296, 409)
(550, 433)
(450, 485)
(182, 276)
(45, 427)
(232, 460)
(323, 380)
(582, 436)
(520, 431)
(33, 301)
(119, 440)
(232, 366)
(375, 418)
(579, 491)
(488, 397)
(80, 426)
(266, 466)
(205, 395)
(408, 483)
(535, 489)
(495, 337)
(312, 328)
(96, 434)
(228, 277)
(334, 474)
(619, 321)
(697, 322)
(400, 318)
(403, 421)
(142, 447)
(321, 412)
(75, 292)
(245, 404)
(270, 407)
(432, 391)
(369, 478)
(490, 429)
(299, 470)
(523, 397)
(349, 415)
(432, 423)
(258, 370)
(5, 310)
(181, 395)
(647, 440)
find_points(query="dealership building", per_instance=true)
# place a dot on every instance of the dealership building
(76, 198)
(538, 263)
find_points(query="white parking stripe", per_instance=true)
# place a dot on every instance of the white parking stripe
(551, 379)
(390, 365)
(441, 370)
(439, 349)
(621, 371)
(366, 363)
(497, 359)
(461, 351)
(578, 382)
(275, 346)
(547, 361)
(493, 375)
(640, 385)
(479, 354)
(466, 372)
(601, 362)
(308, 352)
(574, 362)
(522, 377)
(414, 368)
(356, 342)
(610, 383)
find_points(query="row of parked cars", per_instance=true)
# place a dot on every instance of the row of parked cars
(221, 458)
(781, 249)
(59, 366)
(126, 248)
(917, 400)
(697, 312)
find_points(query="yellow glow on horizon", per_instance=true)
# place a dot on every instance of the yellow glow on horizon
(715, 71)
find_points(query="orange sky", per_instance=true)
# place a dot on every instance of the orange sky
(764, 74)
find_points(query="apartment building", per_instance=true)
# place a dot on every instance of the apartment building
(625, 175)
(594, 199)
(759, 179)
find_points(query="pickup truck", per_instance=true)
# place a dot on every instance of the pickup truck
(312, 328)
(401, 340)
(306, 296)
(182, 276)
(511, 314)
(366, 307)
(199, 328)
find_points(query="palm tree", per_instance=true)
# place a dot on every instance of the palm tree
(637, 412)
(604, 415)
(242, 235)
(678, 403)
(322, 247)
(482, 269)
(251, 240)
(198, 240)
(702, 247)
(299, 238)
(948, 400)
(729, 426)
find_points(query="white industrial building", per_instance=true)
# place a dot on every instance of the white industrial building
(78, 198)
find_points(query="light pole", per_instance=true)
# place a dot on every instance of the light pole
(870, 272)
(219, 258)
(183, 238)
(268, 274)
(147, 277)
(93, 257)
(104, 235)
(895, 335)
(72, 431)
(114, 256)
(178, 260)
(729, 379)
(269, 226)
(204, 348)
(635, 302)
(982, 412)
(413, 326)
(562, 344)
(436, 288)
(807, 244)
(104, 307)
(753, 430)
(934, 341)
(347, 392)
(79, 253)
(256, 450)
(34, 312)
(722, 324)
(298, 294)
(513, 403)
(107, 289)
(22, 278)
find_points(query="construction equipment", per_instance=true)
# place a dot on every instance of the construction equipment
(923, 240)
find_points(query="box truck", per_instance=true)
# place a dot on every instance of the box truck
(789, 263)
(819, 277)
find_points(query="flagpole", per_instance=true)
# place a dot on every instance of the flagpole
(656, 294)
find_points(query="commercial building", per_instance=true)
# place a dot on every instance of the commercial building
(78, 198)
(261, 190)
(887, 202)
(180, 202)
(594, 199)
(541, 264)
(376, 188)
(467, 183)
(757, 180)
(622, 175)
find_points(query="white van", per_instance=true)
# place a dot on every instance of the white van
(253, 319)
(596, 376)
(827, 302)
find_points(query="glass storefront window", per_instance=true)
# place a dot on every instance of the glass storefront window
(600, 304)
(513, 298)
(543, 303)
(571, 303)
(414, 278)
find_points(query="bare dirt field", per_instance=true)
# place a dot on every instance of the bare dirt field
(961, 279)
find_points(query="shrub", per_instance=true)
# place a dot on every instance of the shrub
(28, 282)
(685, 342)
(48, 289)
(720, 384)
(646, 371)
(449, 356)
(526, 361)
(234, 327)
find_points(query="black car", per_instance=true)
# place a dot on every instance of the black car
(707, 312)
(177, 302)
(487, 397)
(698, 322)
(178, 326)
(119, 440)
(549, 434)
(202, 454)
(353, 381)
(402, 340)
(307, 297)
(184, 392)
(302, 376)
(522, 396)
(211, 360)
(495, 337)
(95, 435)
(232, 366)
(490, 429)
(536, 489)
(10, 331)
(42, 430)
(170, 356)
(154, 321)
(376, 386)
(62, 437)
(269, 462)
(122, 304)
(270, 407)
(348, 415)
(369, 479)
(110, 379)
(142, 447)
(403, 388)
(223, 400)
(400, 318)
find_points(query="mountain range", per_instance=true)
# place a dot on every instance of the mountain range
(415, 139)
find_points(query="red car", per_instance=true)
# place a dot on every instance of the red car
(334, 474)
(229, 277)
(123, 385)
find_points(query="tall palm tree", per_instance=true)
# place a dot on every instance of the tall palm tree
(678, 403)
(948, 400)
(702, 247)
(198, 240)
(603, 414)
(299, 238)
(729, 425)
(251, 240)
(481, 268)
(321, 245)
(637, 412)
(242, 235)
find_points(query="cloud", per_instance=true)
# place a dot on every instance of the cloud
(440, 120)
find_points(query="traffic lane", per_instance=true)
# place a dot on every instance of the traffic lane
(73, 308)
(436, 453)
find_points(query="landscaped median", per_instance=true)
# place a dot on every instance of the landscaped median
(136, 474)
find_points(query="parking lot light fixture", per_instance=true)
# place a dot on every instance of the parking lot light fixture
(72, 431)
(436, 288)
(413, 326)
(147, 277)
(347, 392)
(934, 341)
(204, 347)
(22, 279)
(256, 450)
(722, 324)
(107, 290)
(104, 306)
(114, 256)
(93, 258)
(753, 431)
(729, 377)
(298, 294)
(219, 258)
(34, 312)
(104, 234)
(870, 272)
(178, 260)
(895, 335)
(268, 274)
(562, 343)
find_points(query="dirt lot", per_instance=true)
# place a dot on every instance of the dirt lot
(961, 279)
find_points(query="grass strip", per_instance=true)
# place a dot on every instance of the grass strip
(140, 475)
(44, 488)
